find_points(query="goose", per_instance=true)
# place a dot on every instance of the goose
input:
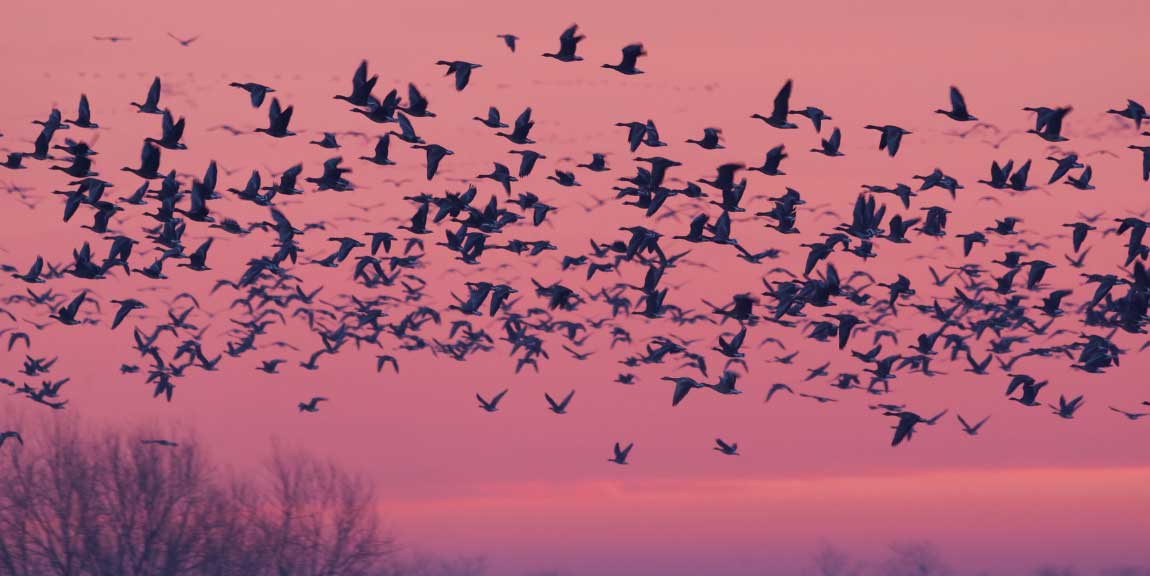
(461, 70)
(1066, 409)
(379, 156)
(778, 117)
(384, 360)
(67, 315)
(726, 384)
(256, 92)
(969, 429)
(311, 405)
(519, 133)
(328, 141)
(4, 436)
(493, 405)
(1134, 111)
(149, 163)
(559, 407)
(83, 115)
(598, 163)
(731, 449)
(416, 103)
(683, 385)
(126, 306)
(770, 167)
(891, 137)
(1048, 123)
(958, 109)
(710, 139)
(776, 388)
(1132, 416)
(527, 161)
(492, 120)
(151, 104)
(509, 40)
(621, 454)
(568, 42)
(172, 132)
(278, 120)
(830, 146)
(435, 155)
(361, 87)
(631, 54)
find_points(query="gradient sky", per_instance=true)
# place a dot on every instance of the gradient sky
(532, 490)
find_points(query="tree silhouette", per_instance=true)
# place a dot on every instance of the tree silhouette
(78, 503)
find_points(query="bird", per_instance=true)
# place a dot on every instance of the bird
(159, 442)
(830, 146)
(731, 449)
(492, 120)
(621, 454)
(4, 436)
(631, 54)
(958, 111)
(683, 385)
(385, 359)
(907, 421)
(891, 137)
(568, 42)
(126, 306)
(710, 139)
(380, 155)
(776, 388)
(781, 108)
(815, 115)
(83, 117)
(256, 92)
(493, 405)
(559, 407)
(151, 104)
(185, 42)
(1133, 416)
(774, 158)
(1067, 408)
(461, 70)
(509, 40)
(971, 430)
(1134, 111)
(1048, 123)
(312, 405)
(278, 120)
(361, 87)
(14, 161)
(67, 314)
(519, 133)
(435, 154)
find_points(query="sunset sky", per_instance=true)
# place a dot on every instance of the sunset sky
(531, 490)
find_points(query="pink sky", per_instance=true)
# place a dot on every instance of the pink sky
(532, 490)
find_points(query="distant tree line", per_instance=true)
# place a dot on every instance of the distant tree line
(78, 502)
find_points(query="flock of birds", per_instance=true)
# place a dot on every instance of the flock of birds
(984, 324)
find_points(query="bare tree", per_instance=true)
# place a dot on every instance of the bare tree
(830, 560)
(323, 516)
(1127, 571)
(1056, 571)
(422, 564)
(103, 503)
(917, 558)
